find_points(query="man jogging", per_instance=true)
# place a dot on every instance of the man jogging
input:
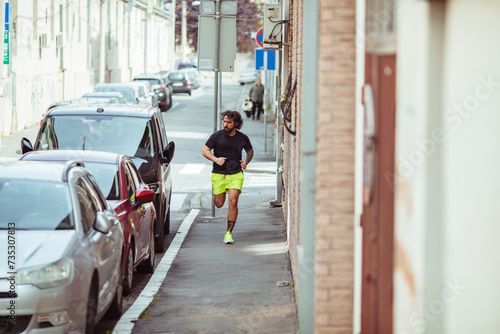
(227, 172)
(256, 94)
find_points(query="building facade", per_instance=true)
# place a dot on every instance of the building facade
(60, 49)
(389, 172)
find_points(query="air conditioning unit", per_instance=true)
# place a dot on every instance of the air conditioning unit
(60, 40)
(273, 24)
(44, 40)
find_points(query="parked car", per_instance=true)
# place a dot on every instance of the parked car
(164, 76)
(108, 97)
(194, 75)
(147, 97)
(129, 91)
(157, 82)
(181, 82)
(248, 75)
(186, 65)
(67, 243)
(127, 194)
(135, 131)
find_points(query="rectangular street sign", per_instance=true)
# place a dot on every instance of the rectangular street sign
(227, 7)
(206, 43)
(265, 59)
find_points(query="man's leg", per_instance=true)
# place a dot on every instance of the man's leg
(259, 110)
(232, 212)
(254, 106)
(219, 200)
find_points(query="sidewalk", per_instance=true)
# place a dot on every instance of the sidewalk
(246, 287)
(10, 145)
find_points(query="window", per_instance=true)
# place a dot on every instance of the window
(88, 207)
(130, 186)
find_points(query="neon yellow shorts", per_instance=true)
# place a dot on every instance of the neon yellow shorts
(221, 183)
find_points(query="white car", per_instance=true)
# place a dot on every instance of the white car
(248, 75)
(61, 248)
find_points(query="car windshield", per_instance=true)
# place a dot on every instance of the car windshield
(177, 76)
(127, 92)
(35, 205)
(151, 81)
(126, 135)
(106, 176)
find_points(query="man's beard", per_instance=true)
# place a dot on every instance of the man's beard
(227, 131)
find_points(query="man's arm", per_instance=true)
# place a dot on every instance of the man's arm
(245, 163)
(207, 153)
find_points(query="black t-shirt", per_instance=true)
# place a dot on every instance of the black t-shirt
(229, 148)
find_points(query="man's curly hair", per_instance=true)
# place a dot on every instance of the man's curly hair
(235, 116)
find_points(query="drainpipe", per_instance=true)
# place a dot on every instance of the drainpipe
(102, 44)
(11, 72)
(61, 33)
(308, 167)
(91, 70)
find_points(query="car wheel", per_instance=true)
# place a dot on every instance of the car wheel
(189, 92)
(91, 310)
(149, 265)
(116, 308)
(159, 240)
(129, 272)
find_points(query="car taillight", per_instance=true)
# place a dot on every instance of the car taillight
(188, 82)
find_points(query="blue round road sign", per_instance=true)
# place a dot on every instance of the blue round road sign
(259, 37)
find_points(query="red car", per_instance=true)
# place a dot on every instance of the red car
(127, 194)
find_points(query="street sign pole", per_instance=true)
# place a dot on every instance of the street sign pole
(216, 74)
(217, 23)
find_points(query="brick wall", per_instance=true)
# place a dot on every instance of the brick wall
(334, 254)
(291, 153)
(334, 270)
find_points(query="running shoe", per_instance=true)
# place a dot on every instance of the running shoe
(228, 238)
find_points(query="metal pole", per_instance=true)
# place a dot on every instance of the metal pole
(217, 17)
(279, 138)
(266, 89)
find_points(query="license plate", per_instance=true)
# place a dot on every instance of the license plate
(177, 84)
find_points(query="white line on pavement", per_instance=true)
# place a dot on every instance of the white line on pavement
(126, 323)
(192, 168)
(188, 135)
(177, 201)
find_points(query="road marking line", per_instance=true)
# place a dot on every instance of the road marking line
(188, 135)
(192, 168)
(177, 201)
(126, 323)
(174, 105)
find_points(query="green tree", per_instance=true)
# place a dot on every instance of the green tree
(248, 20)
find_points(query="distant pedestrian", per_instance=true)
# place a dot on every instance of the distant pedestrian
(257, 96)
(227, 171)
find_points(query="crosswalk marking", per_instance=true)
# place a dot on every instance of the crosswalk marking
(188, 135)
(259, 181)
(192, 168)
(177, 201)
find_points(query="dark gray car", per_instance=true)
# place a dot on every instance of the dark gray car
(135, 131)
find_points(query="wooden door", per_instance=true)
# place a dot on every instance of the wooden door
(377, 219)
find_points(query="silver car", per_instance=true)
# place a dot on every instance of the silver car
(60, 249)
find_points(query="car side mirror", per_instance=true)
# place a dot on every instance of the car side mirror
(26, 145)
(168, 153)
(144, 196)
(102, 224)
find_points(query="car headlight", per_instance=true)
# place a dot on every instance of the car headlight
(55, 274)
